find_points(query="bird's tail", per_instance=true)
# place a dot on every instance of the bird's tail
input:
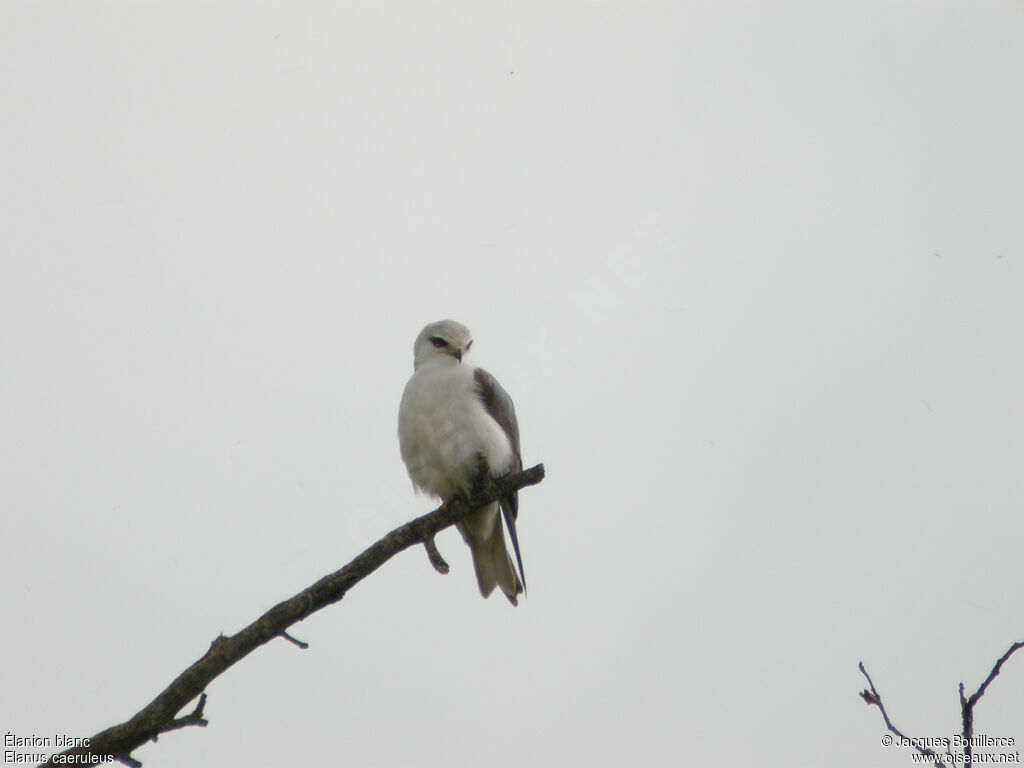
(482, 531)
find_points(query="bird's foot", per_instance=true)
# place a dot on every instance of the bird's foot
(483, 476)
(482, 465)
(451, 500)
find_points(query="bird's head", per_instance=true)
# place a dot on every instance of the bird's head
(445, 341)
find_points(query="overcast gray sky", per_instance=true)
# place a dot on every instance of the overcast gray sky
(753, 273)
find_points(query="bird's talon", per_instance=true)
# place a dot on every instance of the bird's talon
(483, 467)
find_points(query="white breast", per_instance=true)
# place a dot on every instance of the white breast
(442, 427)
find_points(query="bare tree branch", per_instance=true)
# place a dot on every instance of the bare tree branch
(967, 705)
(195, 717)
(435, 557)
(295, 641)
(872, 697)
(159, 715)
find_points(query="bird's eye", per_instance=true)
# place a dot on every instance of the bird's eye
(469, 345)
(437, 341)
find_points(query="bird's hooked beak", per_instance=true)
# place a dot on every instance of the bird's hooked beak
(458, 355)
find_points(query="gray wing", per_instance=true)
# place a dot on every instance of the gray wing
(499, 405)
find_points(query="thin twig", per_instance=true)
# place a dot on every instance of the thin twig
(295, 641)
(967, 704)
(435, 557)
(872, 697)
(195, 717)
(995, 671)
(159, 715)
(967, 717)
(966, 711)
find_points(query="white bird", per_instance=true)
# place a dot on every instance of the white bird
(452, 411)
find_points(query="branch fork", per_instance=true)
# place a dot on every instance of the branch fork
(873, 698)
